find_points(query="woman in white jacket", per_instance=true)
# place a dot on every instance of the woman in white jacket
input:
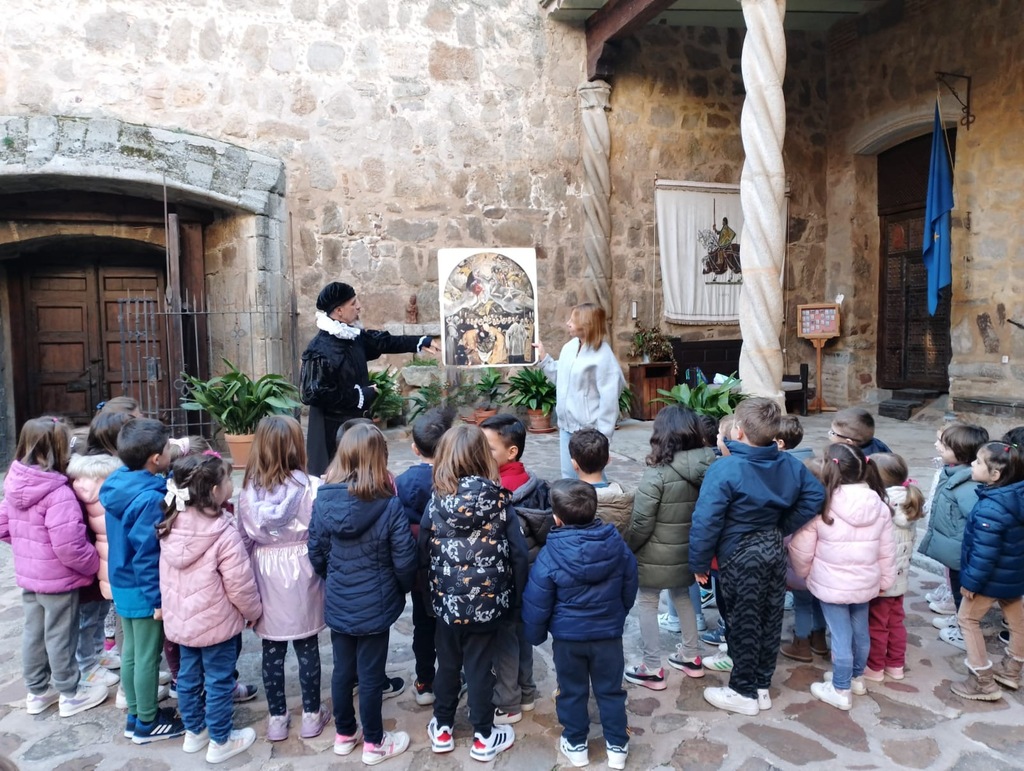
(588, 379)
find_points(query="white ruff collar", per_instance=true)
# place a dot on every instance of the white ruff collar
(336, 328)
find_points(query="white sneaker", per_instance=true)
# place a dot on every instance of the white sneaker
(36, 705)
(953, 636)
(617, 755)
(86, 697)
(121, 701)
(195, 742)
(944, 607)
(857, 686)
(502, 737)
(944, 621)
(940, 592)
(392, 743)
(718, 662)
(344, 745)
(164, 678)
(730, 701)
(238, 742)
(826, 693)
(668, 623)
(576, 754)
(110, 659)
(102, 676)
(764, 699)
(441, 738)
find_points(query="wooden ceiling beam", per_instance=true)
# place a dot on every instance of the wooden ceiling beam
(616, 20)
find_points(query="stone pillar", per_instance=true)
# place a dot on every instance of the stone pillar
(597, 189)
(763, 197)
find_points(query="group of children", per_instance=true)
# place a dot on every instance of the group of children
(494, 560)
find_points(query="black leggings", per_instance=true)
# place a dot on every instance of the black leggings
(308, 653)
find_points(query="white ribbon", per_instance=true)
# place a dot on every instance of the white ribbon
(177, 495)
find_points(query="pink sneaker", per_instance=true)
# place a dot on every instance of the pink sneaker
(896, 673)
(313, 722)
(874, 675)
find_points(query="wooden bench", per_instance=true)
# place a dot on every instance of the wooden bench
(707, 358)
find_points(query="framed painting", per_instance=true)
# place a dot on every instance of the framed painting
(488, 306)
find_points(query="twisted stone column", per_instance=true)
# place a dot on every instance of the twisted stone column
(763, 197)
(597, 190)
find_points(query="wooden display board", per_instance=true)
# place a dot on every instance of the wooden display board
(818, 322)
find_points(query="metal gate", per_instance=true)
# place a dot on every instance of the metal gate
(194, 340)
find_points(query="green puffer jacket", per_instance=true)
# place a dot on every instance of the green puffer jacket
(659, 530)
(955, 496)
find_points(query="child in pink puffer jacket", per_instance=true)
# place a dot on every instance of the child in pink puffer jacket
(848, 555)
(209, 596)
(42, 521)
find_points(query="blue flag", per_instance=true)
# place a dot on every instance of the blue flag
(935, 249)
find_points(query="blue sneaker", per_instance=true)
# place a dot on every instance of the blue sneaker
(166, 725)
(714, 636)
(129, 727)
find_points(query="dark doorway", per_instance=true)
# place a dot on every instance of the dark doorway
(67, 346)
(913, 347)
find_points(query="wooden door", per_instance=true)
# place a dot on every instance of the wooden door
(74, 349)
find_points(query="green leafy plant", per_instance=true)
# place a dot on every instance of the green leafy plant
(716, 400)
(650, 342)
(626, 399)
(237, 402)
(488, 388)
(388, 403)
(422, 361)
(438, 393)
(530, 388)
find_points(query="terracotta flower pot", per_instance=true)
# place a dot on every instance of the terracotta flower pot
(539, 423)
(239, 446)
(480, 414)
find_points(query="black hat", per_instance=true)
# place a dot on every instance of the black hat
(333, 295)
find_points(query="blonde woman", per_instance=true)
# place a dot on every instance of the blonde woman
(588, 379)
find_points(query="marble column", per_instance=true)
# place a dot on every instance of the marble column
(763, 197)
(597, 189)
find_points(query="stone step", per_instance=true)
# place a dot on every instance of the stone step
(899, 409)
(919, 395)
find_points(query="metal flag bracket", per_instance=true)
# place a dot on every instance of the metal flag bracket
(965, 106)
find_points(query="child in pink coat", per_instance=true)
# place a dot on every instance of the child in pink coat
(41, 519)
(209, 596)
(848, 555)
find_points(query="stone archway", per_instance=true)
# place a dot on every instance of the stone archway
(242, 263)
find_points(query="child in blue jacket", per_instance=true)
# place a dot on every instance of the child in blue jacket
(580, 589)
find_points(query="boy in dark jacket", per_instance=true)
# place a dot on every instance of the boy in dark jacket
(132, 498)
(580, 589)
(415, 486)
(749, 500)
(515, 691)
(588, 451)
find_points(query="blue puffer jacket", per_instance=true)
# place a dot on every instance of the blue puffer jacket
(955, 496)
(582, 585)
(752, 490)
(991, 563)
(365, 552)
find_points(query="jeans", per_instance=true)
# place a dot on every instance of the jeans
(578, 666)
(972, 611)
(568, 472)
(49, 640)
(513, 668)
(888, 634)
(364, 656)
(650, 632)
(471, 648)
(807, 615)
(90, 633)
(307, 651)
(140, 665)
(205, 688)
(694, 601)
(851, 641)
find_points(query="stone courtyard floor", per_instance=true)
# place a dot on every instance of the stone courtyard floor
(916, 723)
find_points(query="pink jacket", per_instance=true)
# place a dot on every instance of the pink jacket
(854, 558)
(87, 474)
(275, 529)
(206, 581)
(42, 521)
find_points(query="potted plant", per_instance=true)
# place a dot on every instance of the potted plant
(488, 390)
(716, 400)
(437, 393)
(626, 399)
(650, 344)
(388, 404)
(238, 403)
(531, 388)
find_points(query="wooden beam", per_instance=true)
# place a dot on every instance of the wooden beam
(616, 20)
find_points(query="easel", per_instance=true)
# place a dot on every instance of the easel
(819, 323)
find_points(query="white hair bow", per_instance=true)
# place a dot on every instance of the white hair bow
(179, 496)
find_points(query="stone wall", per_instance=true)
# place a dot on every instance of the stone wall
(676, 103)
(882, 91)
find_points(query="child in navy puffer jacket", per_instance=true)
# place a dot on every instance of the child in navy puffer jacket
(580, 589)
(42, 520)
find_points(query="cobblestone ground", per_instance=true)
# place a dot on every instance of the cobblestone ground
(916, 723)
